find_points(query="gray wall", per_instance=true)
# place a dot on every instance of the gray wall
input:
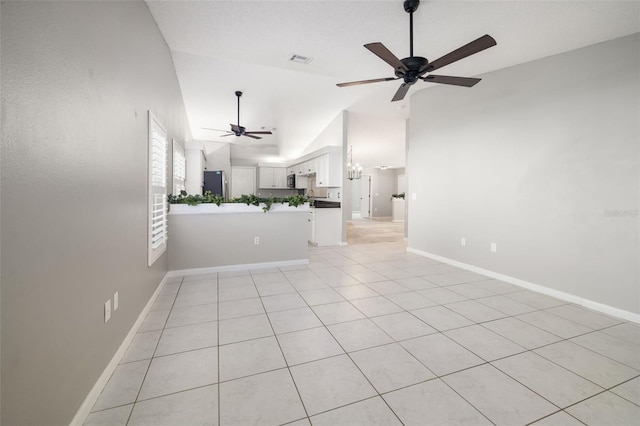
(383, 184)
(536, 158)
(210, 240)
(77, 81)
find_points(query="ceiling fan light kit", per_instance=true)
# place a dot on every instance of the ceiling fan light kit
(414, 68)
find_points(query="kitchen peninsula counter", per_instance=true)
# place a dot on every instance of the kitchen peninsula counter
(208, 238)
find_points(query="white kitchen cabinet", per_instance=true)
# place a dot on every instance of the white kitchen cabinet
(325, 227)
(311, 166)
(328, 171)
(301, 169)
(272, 177)
(291, 170)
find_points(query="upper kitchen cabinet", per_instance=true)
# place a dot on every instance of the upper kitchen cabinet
(272, 177)
(328, 170)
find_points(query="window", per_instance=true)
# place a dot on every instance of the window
(179, 168)
(157, 221)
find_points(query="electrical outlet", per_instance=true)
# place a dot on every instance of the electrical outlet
(256, 240)
(115, 301)
(107, 310)
(463, 241)
(494, 247)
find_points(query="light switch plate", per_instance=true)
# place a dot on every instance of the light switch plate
(107, 310)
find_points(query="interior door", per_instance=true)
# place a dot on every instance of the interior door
(365, 197)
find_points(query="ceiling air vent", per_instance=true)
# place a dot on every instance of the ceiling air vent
(300, 59)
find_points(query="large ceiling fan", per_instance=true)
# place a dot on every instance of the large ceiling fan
(414, 68)
(237, 129)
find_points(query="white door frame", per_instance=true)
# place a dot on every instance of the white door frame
(365, 192)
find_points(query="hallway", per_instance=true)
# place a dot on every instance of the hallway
(377, 230)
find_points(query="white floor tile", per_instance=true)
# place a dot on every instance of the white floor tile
(321, 296)
(403, 326)
(359, 334)
(250, 357)
(330, 383)
(123, 386)
(191, 407)
(441, 318)
(433, 403)
(244, 328)
(503, 400)
(376, 306)
(192, 315)
(629, 390)
(187, 338)
(183, 371)
(612, 347)
(390, 367)
(308, 345)
(282, 302)
(142, 346)
(293, 320)
(522, 333)
(484, 343)
(601, 370)
(334, 313)
(112, 417)
(265, 399)
(370, 412)
(441, 354)
(606, 408)
(240, 308)
(556, 384)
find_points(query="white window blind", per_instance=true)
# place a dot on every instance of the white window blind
(179, 168)
(158, 146)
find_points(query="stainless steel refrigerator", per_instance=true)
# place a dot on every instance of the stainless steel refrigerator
(216, 182)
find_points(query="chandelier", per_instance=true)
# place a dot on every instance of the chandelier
(354, 171)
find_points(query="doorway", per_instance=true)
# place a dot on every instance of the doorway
(365, 197)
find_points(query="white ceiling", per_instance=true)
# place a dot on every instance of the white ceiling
(219, 47)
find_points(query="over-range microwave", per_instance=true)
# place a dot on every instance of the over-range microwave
(291, 181)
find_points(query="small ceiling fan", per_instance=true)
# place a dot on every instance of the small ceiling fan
(414, 68)
(237, 129)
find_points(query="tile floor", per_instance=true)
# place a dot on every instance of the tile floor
(371, 335)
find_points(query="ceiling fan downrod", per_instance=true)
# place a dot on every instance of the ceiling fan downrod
(238, 94)
(411, 6)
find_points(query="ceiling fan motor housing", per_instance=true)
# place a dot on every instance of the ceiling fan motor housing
(411, 6)
(417, 66)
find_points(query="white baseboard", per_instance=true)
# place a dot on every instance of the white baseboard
(92, 397)
(596, 306)
(225, 268)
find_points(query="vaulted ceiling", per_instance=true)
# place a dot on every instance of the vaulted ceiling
(219, 47)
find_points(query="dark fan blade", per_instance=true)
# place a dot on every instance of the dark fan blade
(228, 134)
(456, 81)
(215, 130)
(484, 42)
(385, 54)
(375, 80)
(236, 128)
(251, 136)
(404, 88)
(258, 133)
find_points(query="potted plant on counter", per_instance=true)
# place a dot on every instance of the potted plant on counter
(250, 200)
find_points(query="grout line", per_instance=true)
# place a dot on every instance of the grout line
(137, 398)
